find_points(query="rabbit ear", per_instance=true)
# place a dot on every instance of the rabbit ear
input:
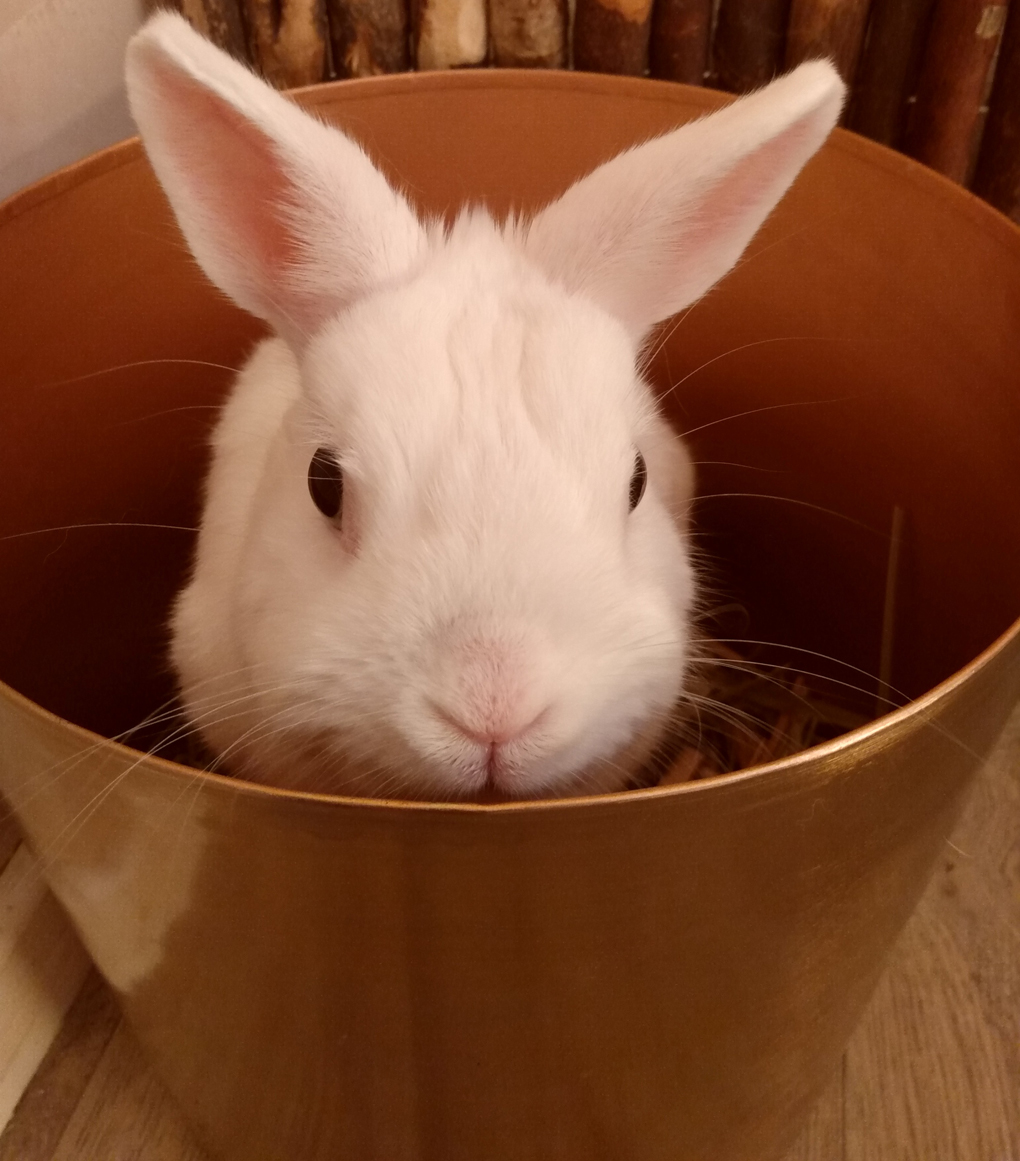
(651, 230)
(283, 213)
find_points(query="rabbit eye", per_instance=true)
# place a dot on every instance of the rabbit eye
(638, 481)
(326, 482)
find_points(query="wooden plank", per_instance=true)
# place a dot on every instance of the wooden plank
(528, 33)
(126, 1114)
(749, 43)
(42, 966)
(448, 34)
(220, 22)
(611, 36)
(368, 37)
(997, 179)
(943, 128)
(287, 40)
(681, 30)
(49, 1101)
(887, 71)
(827, 28)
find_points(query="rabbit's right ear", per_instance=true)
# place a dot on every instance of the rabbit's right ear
(650, 231)
(286, 215)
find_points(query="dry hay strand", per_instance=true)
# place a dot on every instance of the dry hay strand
(738, 713)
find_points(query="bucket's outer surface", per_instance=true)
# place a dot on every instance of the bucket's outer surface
(657, 975)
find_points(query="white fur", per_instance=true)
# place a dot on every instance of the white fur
(489, 618)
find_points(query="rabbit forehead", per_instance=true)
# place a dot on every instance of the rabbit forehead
(477, 350)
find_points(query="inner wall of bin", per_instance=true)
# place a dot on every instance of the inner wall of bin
(864, 356)
(871, 335)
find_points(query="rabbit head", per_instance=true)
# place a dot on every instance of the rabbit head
(444, 551)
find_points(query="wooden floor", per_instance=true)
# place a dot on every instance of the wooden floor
(932, 1074)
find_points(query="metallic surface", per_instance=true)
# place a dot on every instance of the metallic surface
(661, 974)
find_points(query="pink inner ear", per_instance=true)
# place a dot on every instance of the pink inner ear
(745, 194)
(654, 229)
(236, 183)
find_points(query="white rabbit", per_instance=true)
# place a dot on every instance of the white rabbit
(428, 564)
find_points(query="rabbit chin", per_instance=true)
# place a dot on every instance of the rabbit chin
(605, 775)
(326, 763)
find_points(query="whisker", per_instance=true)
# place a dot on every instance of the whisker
(756, 410)
(729, 464)
(790, 500)
(906, 698)
(169, 411)
(757, 672)
(749, 346)
(648, 357)
(98, 524)
(133, 366)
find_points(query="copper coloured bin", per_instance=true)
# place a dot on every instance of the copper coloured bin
(656, 975)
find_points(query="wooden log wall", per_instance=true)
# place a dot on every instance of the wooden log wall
(938, 79)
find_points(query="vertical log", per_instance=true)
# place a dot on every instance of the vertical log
(887, 73)
(528, 33)
(447, 34)
(998, 171)
(961, 46)
(679, 40)
(368, 37)
(611, 36)
(827, 28)
(287, 39)
(219, 21)
(749, 40)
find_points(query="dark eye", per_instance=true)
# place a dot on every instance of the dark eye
(638, 481)
(326, 482)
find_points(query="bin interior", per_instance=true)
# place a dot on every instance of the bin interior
(863, 355)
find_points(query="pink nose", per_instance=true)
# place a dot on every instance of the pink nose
(494, 731)
(487, 688)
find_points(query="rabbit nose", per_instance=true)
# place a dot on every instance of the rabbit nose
(488, 690)
(497, 730)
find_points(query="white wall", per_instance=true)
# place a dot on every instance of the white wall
(61, 86)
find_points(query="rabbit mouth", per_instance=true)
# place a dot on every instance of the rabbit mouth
(532, 766)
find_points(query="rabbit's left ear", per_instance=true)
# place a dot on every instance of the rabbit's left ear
(650, 231)
(283, 213)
